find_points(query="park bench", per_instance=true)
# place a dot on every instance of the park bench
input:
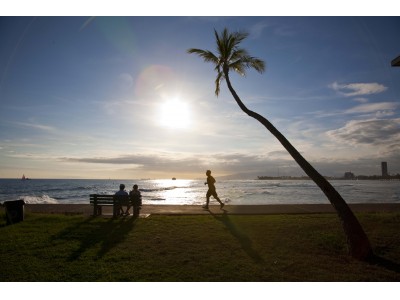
(116, 201)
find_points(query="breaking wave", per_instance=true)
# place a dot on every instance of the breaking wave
(44, 199)
(159, 189)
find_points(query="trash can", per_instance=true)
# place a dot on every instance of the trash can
(14, 211)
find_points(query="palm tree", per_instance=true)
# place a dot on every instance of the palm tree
(231, 57)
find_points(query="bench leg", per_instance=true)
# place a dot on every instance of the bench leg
(97, 210)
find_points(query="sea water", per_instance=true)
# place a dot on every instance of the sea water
(192, 192)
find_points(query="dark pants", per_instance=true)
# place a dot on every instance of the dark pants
(212, 192)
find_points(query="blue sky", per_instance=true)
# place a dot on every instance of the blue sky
(119, 97)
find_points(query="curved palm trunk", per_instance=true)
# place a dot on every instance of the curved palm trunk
(357, 240)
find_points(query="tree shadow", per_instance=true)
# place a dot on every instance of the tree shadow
(384, 263)
(243, 239)
(91, 234)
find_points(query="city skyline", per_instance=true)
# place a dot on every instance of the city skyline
(119, 97)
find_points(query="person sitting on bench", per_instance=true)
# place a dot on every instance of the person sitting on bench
(121, 192)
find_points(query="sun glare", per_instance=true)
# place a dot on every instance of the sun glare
(175, 114)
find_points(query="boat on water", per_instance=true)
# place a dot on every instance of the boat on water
(25, 178)
(173, 178)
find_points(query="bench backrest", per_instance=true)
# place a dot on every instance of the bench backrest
(108, 199)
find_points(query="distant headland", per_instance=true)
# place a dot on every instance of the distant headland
(347, 176)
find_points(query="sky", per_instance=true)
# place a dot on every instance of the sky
(120, 97)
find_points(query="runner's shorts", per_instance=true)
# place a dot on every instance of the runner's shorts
(212, 193)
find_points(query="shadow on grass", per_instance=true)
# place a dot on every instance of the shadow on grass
(384, 263)
(91, 234)
(243, 239)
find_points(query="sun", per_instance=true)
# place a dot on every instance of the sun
(174, 114)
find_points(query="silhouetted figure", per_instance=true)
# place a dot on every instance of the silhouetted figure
(121, 192)
(135, 200)
(211, 190)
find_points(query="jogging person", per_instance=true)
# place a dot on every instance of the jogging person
(211, 190)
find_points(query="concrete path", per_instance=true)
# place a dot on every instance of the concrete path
(87, 209)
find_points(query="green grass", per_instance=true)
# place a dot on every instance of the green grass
(195, 248)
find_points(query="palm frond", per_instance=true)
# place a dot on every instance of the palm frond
(249, 62)
(218, 80)
(238, 67)
(238, 54)
(258, 65)
(207, 55)
(229, 56)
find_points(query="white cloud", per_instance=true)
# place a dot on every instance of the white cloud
(174, 163)
(86, 23)
(368, 110)
(358, 89)
(361, 100)
(257, 29)
(374, 132)
(384, 107)
(36, 126)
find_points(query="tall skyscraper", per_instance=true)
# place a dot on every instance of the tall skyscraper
(384, 169)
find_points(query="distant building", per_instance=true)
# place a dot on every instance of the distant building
(349, 175)
(384, 169)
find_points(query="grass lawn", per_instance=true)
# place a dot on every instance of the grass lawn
(218, 248)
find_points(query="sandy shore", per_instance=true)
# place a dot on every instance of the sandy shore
(87, 209)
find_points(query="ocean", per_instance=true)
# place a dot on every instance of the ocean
(192, 192)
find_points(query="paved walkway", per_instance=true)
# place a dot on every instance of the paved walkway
(87, 209)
